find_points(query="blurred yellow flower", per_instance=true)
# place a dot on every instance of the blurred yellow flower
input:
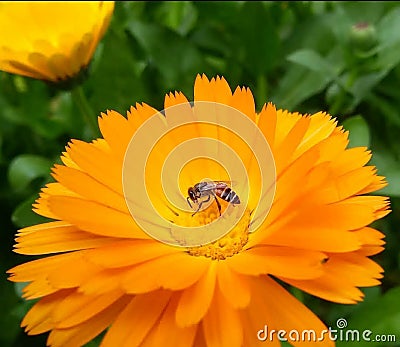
(51, 41)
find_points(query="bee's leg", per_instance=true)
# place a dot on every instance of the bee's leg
(208, 199)
(201, 204)
(218, 204)
(198, 208)
(189, 202)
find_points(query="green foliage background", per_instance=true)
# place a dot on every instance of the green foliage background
(303, 56)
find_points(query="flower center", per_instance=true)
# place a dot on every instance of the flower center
(228, 245)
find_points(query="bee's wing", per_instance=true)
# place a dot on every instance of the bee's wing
(229, 183)
(206, 186)
(212, 185)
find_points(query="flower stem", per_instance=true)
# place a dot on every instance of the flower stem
(86, 111)
(261, 89)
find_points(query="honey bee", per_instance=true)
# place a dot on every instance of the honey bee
(208, 189)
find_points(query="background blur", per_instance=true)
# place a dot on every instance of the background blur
(343, 58)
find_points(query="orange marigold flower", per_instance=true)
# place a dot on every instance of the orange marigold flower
(302, 218)
(51, 41)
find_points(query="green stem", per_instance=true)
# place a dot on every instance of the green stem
(341, 98)
(86, 111)
(261, 90)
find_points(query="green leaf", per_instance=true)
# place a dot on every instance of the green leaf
(339, 311)
(363, 11)
(381, 316)
(9, 302)
(19, 287)
(33, 110)
(389, 44)
(116, 84)
(178, 15)
(214, 39)
(258, 37)
(312, 61)
(363, 85)
(388, 166)
(387, 109)
(388, 29)
(223, 12)
(25, 168)
(299, 83)
(359, 134)
(23, 215)
(177, 62)
(96, 341)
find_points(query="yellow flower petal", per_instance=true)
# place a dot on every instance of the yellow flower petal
(139, 114)
(290, 143)
(98, 163)
(267, 310)
(39, 318)
(29, 271)
(243, 100)
(343, 274)
(49, 45)
(71, 276)
(98, 219)
(117, 131)
(250, 331)
(89, 188)
(101, 282)
(77, 308)
(222, 315)
(295, 263)
(195, 301)
(216, 90)
(129, 252)
(233, 286)
(38, 289)
(267, 121)
(81, 334)
(321, 127)
(161, 272)
(167, 330)
(137, 319)
(314, 238)
(370, 237)
(56, 237)
(328, 287)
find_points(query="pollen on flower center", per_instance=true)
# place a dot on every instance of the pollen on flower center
(228, 245)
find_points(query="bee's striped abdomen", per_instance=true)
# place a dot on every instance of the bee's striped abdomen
(229, 195)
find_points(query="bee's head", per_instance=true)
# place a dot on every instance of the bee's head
(192, 194)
